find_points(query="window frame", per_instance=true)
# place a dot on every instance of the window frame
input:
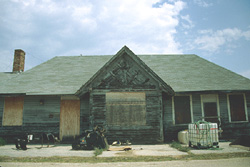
(191, 109)
(203, 100)
(229, 108)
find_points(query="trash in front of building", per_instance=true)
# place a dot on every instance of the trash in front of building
(203, 134)
(91, 139)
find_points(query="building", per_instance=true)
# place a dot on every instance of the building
(141, 98)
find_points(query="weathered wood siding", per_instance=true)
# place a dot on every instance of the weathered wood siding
(1, 109)
(127, 75)
(233, 129)
(197, 114)
(150, 133)
(230, 130)
(85, 114)
(37, 118)
(41, 118)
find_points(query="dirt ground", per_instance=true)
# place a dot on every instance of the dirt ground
(242, 162)
(137, 150)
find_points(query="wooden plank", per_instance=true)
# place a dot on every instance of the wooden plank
(69, 118)
(126, 108)
(1, 110)
(13, 111)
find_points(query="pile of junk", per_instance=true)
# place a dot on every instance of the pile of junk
(95, 138)
(201, 135)
(91, 139)
(22, 140)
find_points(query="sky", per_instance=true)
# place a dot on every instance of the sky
(216, 30)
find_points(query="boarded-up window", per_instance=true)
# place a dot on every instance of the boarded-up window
(182, 109)
(237, 107)
(126, 108)
(13, 111)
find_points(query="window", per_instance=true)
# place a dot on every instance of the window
(210, 108)
(126, 108)
(237, 108)
(182, 109)
(13, 111)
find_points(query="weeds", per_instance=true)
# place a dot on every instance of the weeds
(179, 147)
(2, 142)
(98, 151)
(123, 158)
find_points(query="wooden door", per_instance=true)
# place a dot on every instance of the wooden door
(69, 118)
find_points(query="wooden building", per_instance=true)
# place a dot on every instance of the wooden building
(140, 98)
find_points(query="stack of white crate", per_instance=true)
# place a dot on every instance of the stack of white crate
(203, 135)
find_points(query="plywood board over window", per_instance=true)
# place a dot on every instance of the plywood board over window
(69, 118)
(126, 108)
(13, 111)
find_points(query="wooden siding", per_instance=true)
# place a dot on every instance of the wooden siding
(1, 110)
(230, 130)
(170, 129)
(69, 118)
(37, 118)
(233, 129)
(126, 74)
(197, 114)
(125, 108)
(149, 133)
(41, 118)
(13, 111)
(36, 113)
(85, 113)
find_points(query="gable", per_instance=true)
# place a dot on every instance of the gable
(125, 71)
(74, 74)
(125, 74)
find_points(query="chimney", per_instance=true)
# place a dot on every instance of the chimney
(19, 58)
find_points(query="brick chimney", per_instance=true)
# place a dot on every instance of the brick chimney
(19, 58)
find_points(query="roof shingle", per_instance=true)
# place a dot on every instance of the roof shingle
(66, 74)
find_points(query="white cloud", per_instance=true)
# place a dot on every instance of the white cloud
(203, 3)
(212, 41)
(49, 28)
(188, 24)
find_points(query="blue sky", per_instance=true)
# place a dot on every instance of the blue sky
(217, 30)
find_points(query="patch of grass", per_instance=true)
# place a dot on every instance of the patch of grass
(179, 147)
(218, 156)
(86, 159)
(123, 158)
(98, 151)
(2, 142)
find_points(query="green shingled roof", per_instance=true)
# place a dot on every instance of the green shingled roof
(66, 74)
(187, 73)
